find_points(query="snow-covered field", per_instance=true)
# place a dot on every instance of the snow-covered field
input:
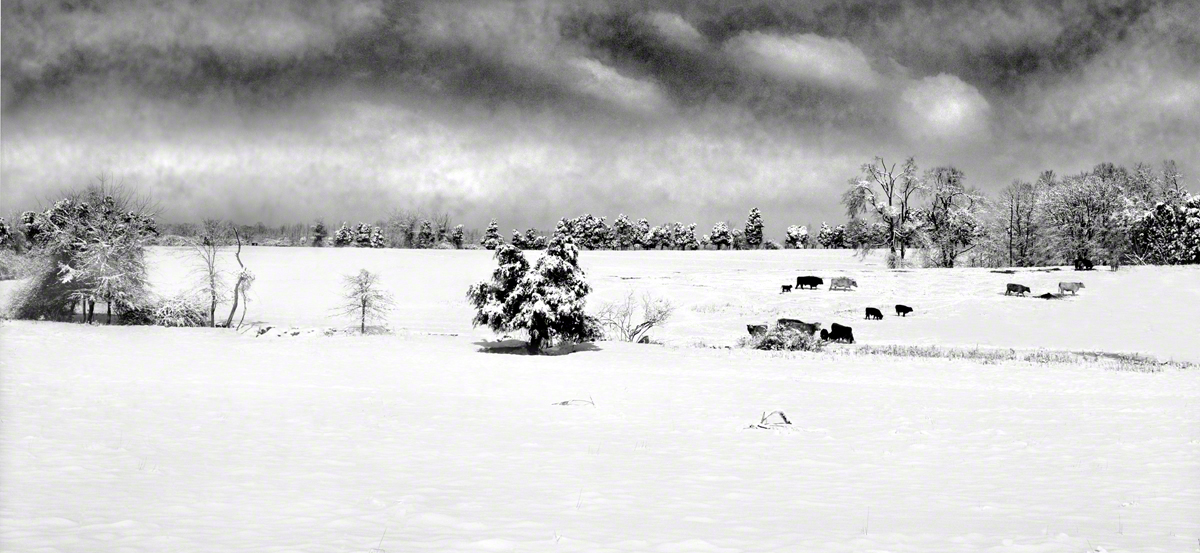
(152, 439)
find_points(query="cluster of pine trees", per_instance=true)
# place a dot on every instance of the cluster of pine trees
(595, 233)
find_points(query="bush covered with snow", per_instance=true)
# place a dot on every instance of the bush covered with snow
(782, 339)
(546, 300)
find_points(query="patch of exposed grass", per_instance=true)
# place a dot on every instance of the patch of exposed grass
(1133, 362)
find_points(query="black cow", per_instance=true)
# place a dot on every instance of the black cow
(824, 334)
(797, 324)
(1083, 264)
(756, 330)
(873, 313)
(1018, 289)
(785, 288)
(810, 281)
(839, 333)
(903, 310)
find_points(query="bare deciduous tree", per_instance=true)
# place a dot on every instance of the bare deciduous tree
(363, 299)
(887, 194)
(618, 316)
(206, 248)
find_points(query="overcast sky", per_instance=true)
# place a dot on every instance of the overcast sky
(692, 111)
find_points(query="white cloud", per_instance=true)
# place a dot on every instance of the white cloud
(676, 29)
(943, 108)
(602, 82)
(806, 58)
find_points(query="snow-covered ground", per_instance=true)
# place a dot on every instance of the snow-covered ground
(153, 439)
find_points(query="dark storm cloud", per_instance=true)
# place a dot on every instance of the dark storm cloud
(690, 110)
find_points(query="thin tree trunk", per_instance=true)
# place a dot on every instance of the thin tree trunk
(245, 302)
(237, 289)
(108, 307)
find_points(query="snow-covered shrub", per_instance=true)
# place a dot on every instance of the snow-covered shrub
(770, 245)
(779, 338)
(13, 266)
(186, 309)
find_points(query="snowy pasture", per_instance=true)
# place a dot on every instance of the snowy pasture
(153, 439)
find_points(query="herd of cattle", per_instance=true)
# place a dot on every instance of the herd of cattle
(841, 333)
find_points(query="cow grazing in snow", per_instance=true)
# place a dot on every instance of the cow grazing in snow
(1073, 287)
(903, 310)
(873, 313)
(839, 333)
(797, 324)
(842, 283)
(785, 288)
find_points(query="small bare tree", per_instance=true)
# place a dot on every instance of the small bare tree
(245, 279)
(618, 316)
(206, 248)
(364, 299)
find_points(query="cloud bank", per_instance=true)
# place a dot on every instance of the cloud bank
(528, 111)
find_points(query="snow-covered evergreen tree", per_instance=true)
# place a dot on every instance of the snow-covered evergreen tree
(320, 233)
(720, 235)
(737, 239)
(685, 237)
(518, 240)
(491, 298)
(623, 233)
(552, 296)
(377, 238)
(6, 236)
(456, 237)
(547, 301)
(344, 236)
(362, 235)
(640, 232)
(491, 237)
(425, 235)
(754, 229)
(797, 237)
(533, 240)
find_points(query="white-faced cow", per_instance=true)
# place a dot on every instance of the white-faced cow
(1073, 287)
(842, 283)
(797, 324)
